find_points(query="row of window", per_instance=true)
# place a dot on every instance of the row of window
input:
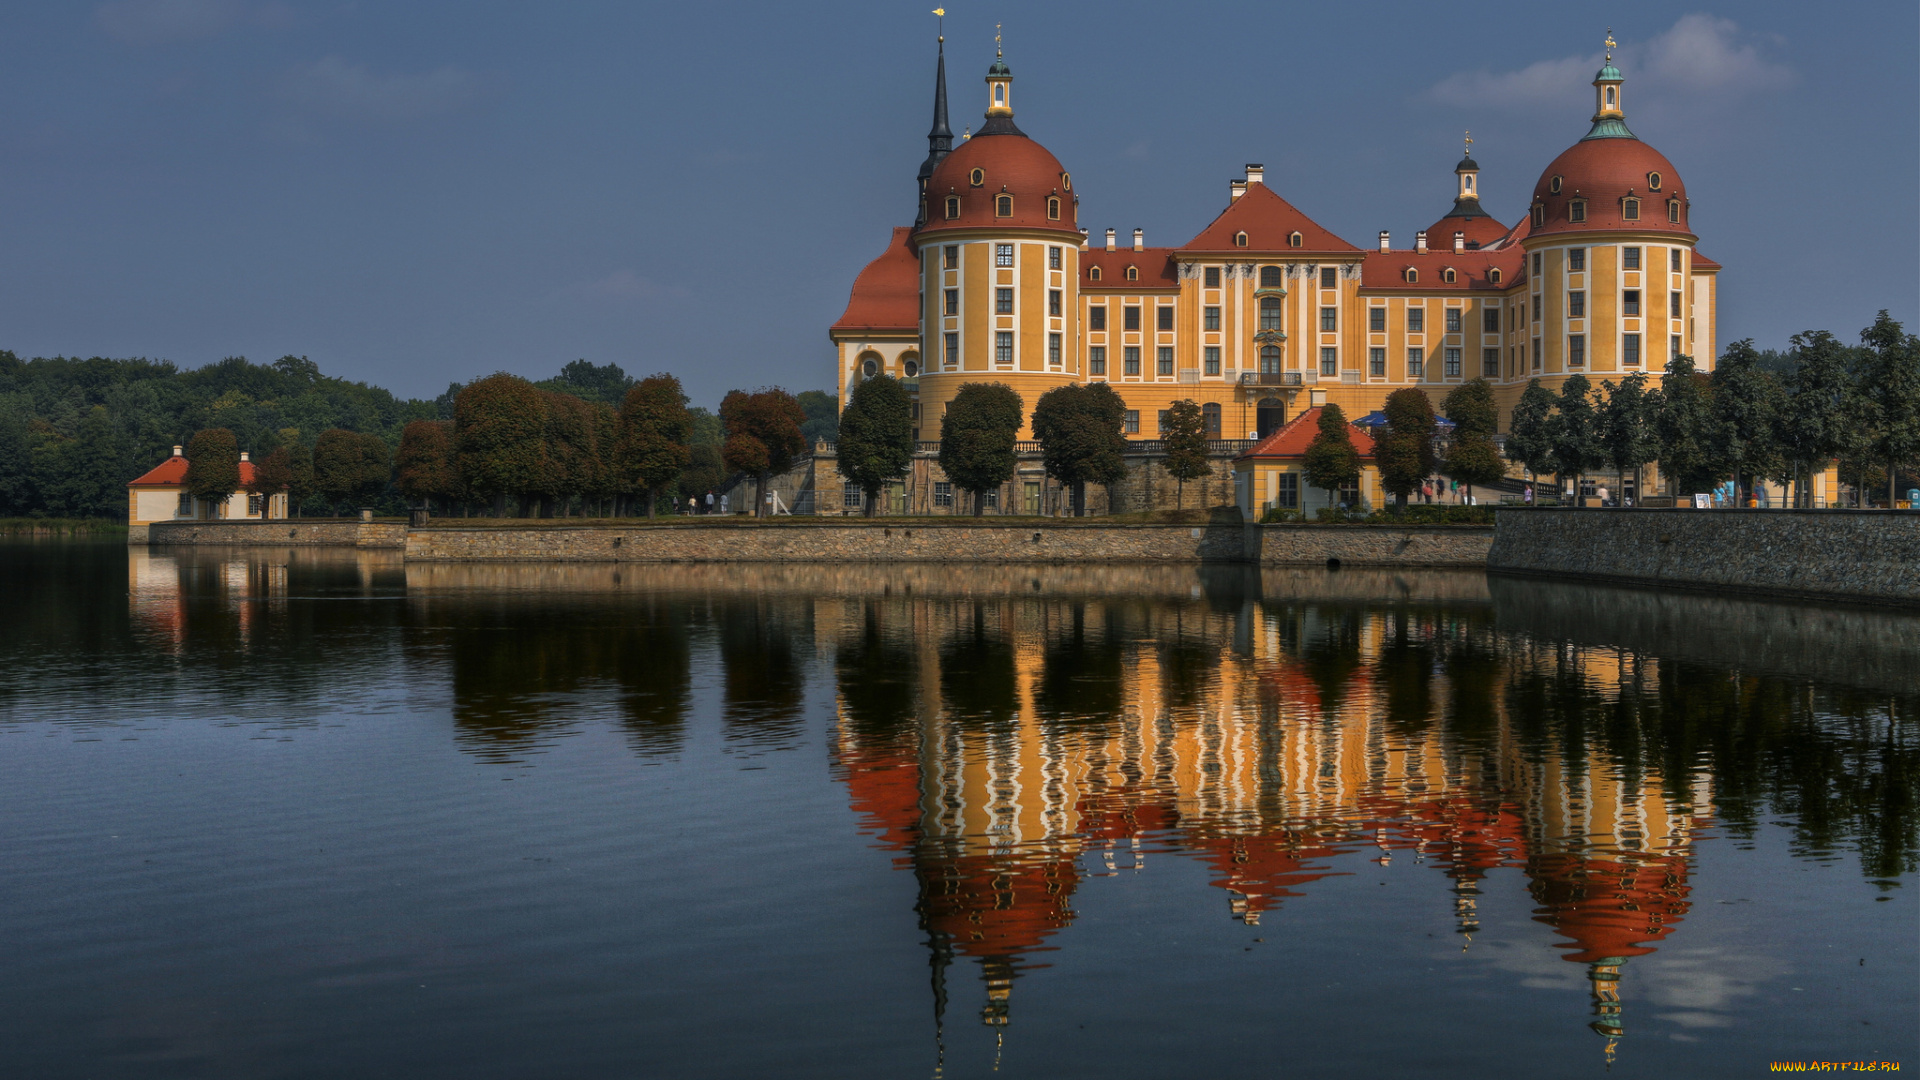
(1002, 256)
(1417, 320)
(1286, 494)
(1209, 420)
(1003, 207)
(1629, 211)
(1629, 260)
(1448, 275)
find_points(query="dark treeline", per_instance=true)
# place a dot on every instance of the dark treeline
(74, 431)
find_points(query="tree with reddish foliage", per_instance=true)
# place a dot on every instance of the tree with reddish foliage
(763, 436)
(213, 468)
(572, 457)
(499, 438)
(655, 436)
(273, 475)
(424, 469)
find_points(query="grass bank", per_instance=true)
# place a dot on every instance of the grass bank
(62, 526)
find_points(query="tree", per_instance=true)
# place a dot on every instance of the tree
(1821, 417)
(499, 437)
(572, 457)
(1404, 455)
(424, 467)
(349, 466)
(213, 467)
(1890, 380)
(1331, 459)
(1185, 437)
(876, 436)
(656, 433)
(1626, 424)
(273, 475)
(590, 382)
(976, 438)
(1745, 405)
(823, 416)
(1081, 429)
(1682, 419)
(762, 436)
(1472, 457)
(1576, 431)
(1530, 431)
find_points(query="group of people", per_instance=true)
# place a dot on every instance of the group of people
(714, 504)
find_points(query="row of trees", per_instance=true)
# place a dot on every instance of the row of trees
(1745, 422)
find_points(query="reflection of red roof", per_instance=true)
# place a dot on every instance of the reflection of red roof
(886, 295)
(993, 905)
(1608, 908)
(1157, 269)
(1269, 221)
(885, 794)
(1388, 269)
(1265, 869)
(1293, 438)
(173, 473)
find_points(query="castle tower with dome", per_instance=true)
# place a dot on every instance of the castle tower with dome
(1265, 313)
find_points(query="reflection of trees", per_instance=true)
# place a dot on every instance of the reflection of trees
(978, 681)
(876, 666)
(1081, 665)
(655, 667)
(764, 678)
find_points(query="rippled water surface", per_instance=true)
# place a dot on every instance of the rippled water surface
(292, 813)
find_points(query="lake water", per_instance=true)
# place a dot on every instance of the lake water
(311, 813)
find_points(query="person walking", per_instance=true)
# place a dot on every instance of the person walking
(709, 502)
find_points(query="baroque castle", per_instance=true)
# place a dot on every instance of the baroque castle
(1266, 313)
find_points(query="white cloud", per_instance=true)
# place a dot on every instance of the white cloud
(1700, 55)
(162, 22)
(336, 87)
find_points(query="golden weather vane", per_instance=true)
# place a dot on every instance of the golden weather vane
(1610, 43)
(1469, 142)
(996, 41)
(941, 14)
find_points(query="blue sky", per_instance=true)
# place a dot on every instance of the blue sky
(415, 193)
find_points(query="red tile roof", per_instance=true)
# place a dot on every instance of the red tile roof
(1010, 164)
(1387, 270)
(1602, 172)
(1157, 269)
(1701, 262)
(1293, 438)
(1481, 231)
(886, 295)
(1268, 220)
(173, 473)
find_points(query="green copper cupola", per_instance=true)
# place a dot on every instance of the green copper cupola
(1609, 117)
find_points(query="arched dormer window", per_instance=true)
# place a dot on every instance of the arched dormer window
(1493, 276)
(1294, 239)
(869, 365)
(1133, 273)
(1653, 181)
(1630, 209)
(1271, 277)
(1412, 275)
(1093, 273)
(1577, 210)
(977, 177)
(1553, 186)
(1003, 206)
(1053, 209)
(1539, 215)
(1240, 239)
(1673, 209)
(1447, 275)
(953, 207)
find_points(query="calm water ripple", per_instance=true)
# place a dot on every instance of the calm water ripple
(294, 812)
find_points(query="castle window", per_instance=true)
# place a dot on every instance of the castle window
(1210, 417)
(1536, 264)
(1416, 363)
(953, 301)
(1673, 344)
(1097, 359)
(1066, 181)
(1553, 186)
(1630, 257)
(952, 357)
(1132, 422)
(1630, 303)
(1053, 260)
(1003, 206)
(1630, 350)
(1130, 359)
(1053, 302)
(1329, 277)
(1453, 320)
(1053, 209)
(1539, 215)
(953, 256)
(1213, 359)
(1130, 318)
(1053, 350)
(1329, 362)
(1293, 239)
(1416, 320)
(1490, 363)
(1329, 319)
(1377, 320)
(1163, 318)
(1270, 359)
(1269, 313)
(1673, 259)
(1576, 305)
(1493, 278)
(1412, 275)
(953, 207)
(1003, 301)
(1377, 363)
(1133, 273)
(1653, 181)
(976, 178)
(1447, 275)
(1673, 304)
(1003, 254)
(1271, 277)
(1451, 362)
(1630, 209)
(1673, 210)
(1093, 273)
(870, 366)
(1164, 365)
(1003, 348)
(1576, 259)
(1097, 317)
(1490, 320)
(910, 368)
(1240, 239)
(1577, 350)
(1213, 279)
(1577, 210)
(1210, 318)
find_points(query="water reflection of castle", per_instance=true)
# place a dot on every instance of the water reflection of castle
(1036, 742)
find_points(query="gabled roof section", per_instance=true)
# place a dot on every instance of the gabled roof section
(886, 295)
(1701, 262)
(1293, 438)
(1157, 269)
(1386, 270)
(1269, 221)
(173, 473)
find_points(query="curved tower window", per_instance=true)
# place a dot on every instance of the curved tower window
(1003, 206)
(1673, 210)
(1269, 313)
(1053, 209)
(953, 207)
(1630, 209)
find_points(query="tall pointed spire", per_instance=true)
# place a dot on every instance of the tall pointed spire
(940, 136)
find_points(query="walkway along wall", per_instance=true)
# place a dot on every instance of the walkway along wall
(1866, 555)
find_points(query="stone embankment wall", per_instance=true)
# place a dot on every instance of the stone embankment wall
(1868, 555)
(1370, 545)
(292, 532)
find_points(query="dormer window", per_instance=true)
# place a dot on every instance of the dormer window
(1577, 210)
(1553, 186)
(1653, 181)
(953, 207)
(1270, 277)
(1447, 275)
(1493, 276)
(1133, 273)
(1093, 273)
(1293, 239)
(1411, 275)
(977, 177)
(1539, 215)
(1630, 209)
(1053, 209)
(1003, 206)
(1673, 210)
(1066, 181)
(1240, 239)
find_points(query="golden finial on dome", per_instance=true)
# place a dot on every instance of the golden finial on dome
(1469, 142)
(1610, 44)
(996, 41)
(941, 14)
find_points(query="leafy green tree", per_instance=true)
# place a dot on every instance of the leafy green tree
(85, 475)
(423, 469)
(1822, 415)
(1472, 456)
(590, 382)
(213, 467)
(300, 463)
(573, 454)
(349, 466)
(1185, 437)
(823, 416)
(499, 435)
(273, 475)
(876, 436)
(1331, 459)
(1404, 454)
(1746, 403)
(763, 436)
(1530, 431)
(1576, 430)
(1626, 425)
(1082, 433)
(656, 432)
(1682, 423)
(977, 436)
(1890, 385)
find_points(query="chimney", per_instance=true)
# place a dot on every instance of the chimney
(243, 456)
(1256, 173)
(1420, 241)
(1109, 239)
(1139, 239)
(1386, 244)
(1083, 238)
(179, 451)
(1459, 242)
(1235, 189)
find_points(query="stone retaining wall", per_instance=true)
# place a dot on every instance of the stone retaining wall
(1863, 555)
(292, 532)
(1371, 545)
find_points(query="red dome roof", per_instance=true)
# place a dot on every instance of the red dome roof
(1481, 230)
(1008, 164)
(1602, 173)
